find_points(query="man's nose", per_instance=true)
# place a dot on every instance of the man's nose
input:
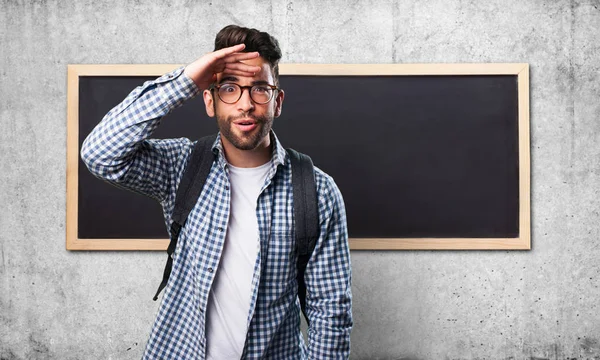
(245, 102)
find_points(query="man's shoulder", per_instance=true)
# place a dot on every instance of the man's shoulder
(325, 184)
(327, 188)
(322, 178)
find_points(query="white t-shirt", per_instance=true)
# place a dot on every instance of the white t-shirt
(231, 292)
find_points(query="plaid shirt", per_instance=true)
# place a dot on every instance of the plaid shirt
(119, 151)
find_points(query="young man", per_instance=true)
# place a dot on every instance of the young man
(232, 292)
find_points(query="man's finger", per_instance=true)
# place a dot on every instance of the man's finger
(241, 56)
(219, 54)
(242, 67)
(237, 72)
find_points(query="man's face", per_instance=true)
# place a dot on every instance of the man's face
(245, 124)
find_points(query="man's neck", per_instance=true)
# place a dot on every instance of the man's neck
(248, 158)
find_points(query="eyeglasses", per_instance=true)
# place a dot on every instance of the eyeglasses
(230, 93)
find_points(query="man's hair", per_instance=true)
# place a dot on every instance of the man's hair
(266, 45)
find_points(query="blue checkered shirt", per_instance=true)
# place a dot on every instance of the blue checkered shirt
(120, 151)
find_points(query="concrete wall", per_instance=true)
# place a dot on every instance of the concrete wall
(538, 304)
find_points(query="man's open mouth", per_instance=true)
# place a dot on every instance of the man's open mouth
(246, 125)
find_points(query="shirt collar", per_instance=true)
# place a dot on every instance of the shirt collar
(277, 158)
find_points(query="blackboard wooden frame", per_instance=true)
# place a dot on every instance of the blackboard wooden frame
(522, 242)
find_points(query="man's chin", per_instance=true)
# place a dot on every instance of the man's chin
(246, 146)
(245, 141)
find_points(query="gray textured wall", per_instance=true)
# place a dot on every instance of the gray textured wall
(537, 304)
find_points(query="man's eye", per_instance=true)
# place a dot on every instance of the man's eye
(260, 89)
(228, 88)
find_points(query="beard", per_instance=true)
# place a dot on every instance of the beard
(241, 140)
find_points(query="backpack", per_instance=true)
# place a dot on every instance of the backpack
(306, 216)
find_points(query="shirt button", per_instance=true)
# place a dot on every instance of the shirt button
(226, 187)
(220, 229)
(210, 270)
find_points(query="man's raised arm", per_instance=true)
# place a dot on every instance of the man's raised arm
(119, 150)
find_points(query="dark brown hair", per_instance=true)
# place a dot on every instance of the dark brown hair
(266, 45)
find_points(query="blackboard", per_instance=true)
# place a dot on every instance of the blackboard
(423, 159)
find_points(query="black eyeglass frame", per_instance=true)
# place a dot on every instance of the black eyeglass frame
(242, 88)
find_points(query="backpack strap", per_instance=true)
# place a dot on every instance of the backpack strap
(306, 216)
(187, 195)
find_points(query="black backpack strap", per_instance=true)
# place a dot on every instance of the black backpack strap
(187, 195)
(306, 216)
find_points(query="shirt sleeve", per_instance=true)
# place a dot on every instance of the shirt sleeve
(328, 281)
(119, 150)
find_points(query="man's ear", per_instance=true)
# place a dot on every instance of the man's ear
(279, 102)
(209, 103)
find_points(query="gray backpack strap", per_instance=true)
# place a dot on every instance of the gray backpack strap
(306, 216)
(188, 192)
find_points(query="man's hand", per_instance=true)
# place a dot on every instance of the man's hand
(204, 70)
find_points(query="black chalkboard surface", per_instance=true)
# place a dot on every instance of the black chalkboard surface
(415, 156)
